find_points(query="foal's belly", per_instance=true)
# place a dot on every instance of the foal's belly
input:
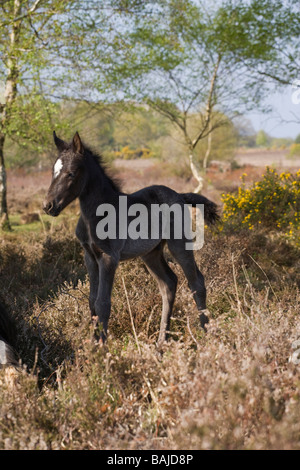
(134, 248)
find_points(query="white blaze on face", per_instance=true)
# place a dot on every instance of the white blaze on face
(57, 167)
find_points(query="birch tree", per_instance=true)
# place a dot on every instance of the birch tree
(215, 59)
(52, 50)
(202, 78)
(23, 53)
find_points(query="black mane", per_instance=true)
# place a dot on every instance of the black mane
(98, 159)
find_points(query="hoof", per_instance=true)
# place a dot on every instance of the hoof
(204, 319)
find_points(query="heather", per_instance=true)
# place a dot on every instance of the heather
(234, 387)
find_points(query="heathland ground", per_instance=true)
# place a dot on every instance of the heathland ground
(235, 387)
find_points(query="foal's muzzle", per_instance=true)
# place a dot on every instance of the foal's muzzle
(51, 208)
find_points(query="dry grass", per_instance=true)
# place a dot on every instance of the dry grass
(235, 387)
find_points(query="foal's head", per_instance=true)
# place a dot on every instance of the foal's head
(68, 176)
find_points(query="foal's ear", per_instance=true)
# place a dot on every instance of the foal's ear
(77, 144)
(60, 144)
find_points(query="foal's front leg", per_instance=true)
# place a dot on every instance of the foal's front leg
(107, 267)
(93, 270)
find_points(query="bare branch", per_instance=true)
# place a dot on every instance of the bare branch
(166, 112)
(209, 104)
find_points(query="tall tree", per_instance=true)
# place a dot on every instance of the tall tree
(25, 27)
(263, 35)
(217, 59)
(52, 50)
(198, 75)
(266, 41)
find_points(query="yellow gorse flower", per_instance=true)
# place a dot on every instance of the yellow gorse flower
(273, 202)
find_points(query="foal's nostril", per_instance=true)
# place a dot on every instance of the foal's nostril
(48, 206)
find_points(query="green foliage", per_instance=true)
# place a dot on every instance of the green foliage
(272, 203)
(295, 150)
(139, 128)
(29, 134)
(262, 139)
(223, 142)
(280, 142)
(161, 48)
(256, 32)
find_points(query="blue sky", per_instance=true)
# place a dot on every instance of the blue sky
(281, 122)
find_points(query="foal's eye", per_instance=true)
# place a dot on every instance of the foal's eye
(71, 175)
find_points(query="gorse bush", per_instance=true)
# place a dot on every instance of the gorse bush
(272, 203)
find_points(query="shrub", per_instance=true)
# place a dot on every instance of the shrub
(295, 150)
(131, 154)
(272, 203)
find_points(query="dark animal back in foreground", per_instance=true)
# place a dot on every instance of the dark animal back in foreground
(8, 355)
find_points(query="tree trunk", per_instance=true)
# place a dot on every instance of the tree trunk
(196, 174)
(4, 219)
(10, 94)
(207, 153)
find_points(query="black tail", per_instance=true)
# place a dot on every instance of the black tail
(7, 338)
(211, 215)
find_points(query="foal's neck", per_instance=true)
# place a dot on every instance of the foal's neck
(99, 188)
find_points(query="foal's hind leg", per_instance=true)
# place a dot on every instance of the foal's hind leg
(195, 278)
(167, 283)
